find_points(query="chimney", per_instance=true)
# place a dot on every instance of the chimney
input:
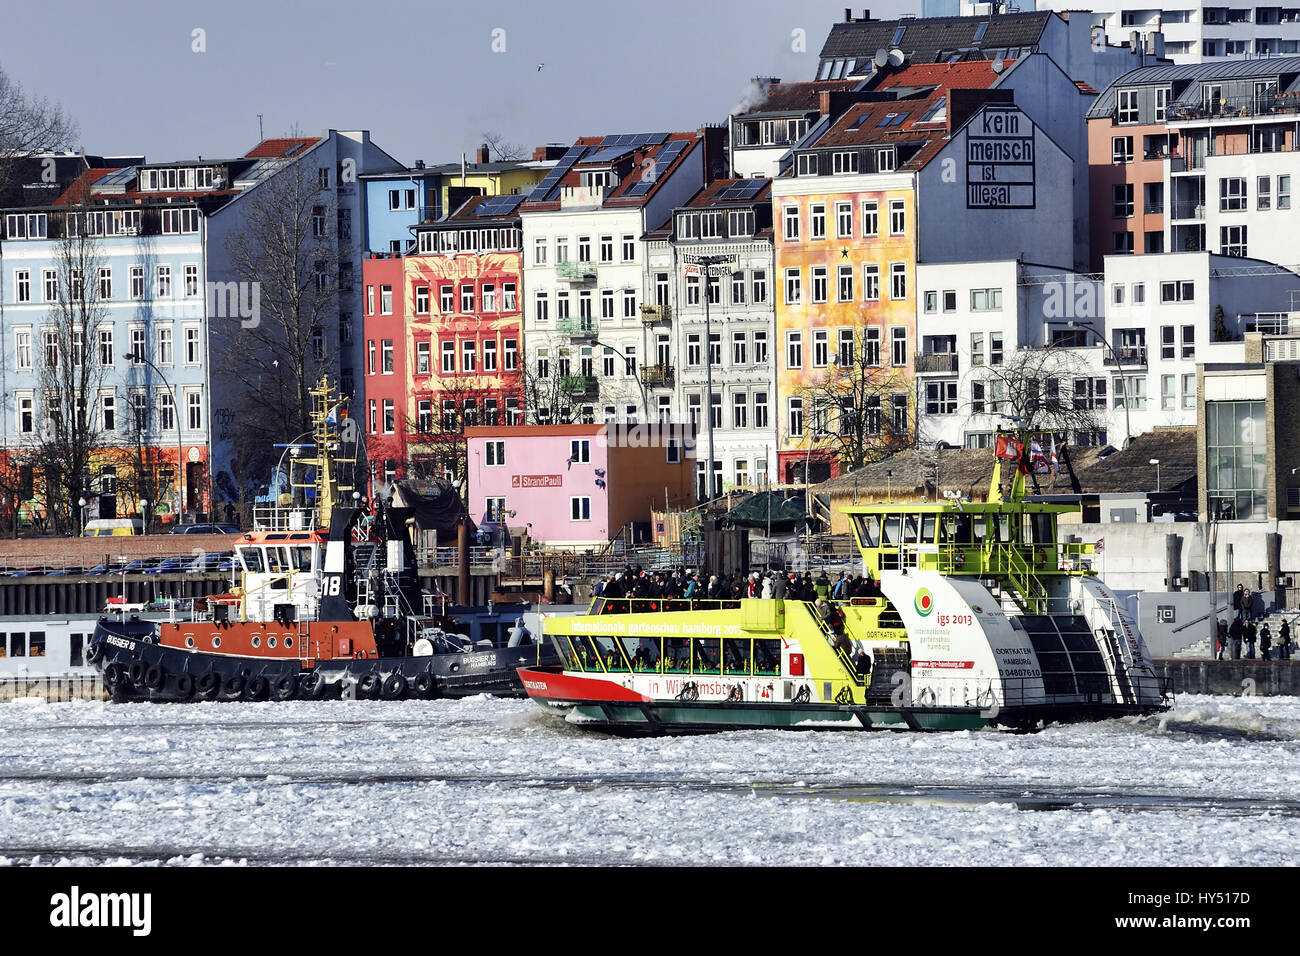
(824, 102)
(866, 15)
(482, 154)
(848, 15)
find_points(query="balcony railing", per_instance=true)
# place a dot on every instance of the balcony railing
(1187, 210)
(656, 313)
(578, 328)
(661, 375)
(1128, 356)
(579, 384)
(1235, 107)
(1153, 208)
(571, 271)
(937, 362)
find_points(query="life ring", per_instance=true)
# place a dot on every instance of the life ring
(185, 686)
(423, 684)
(736, 693)
(803, 695)
(394, 687)
(154, 677)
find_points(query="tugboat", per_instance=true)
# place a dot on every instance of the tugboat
(981, 618)
(329, 605)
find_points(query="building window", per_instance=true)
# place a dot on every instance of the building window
(580, 509)
(871, 282)
(1122, 243)
(1232, 194)
(1121, 200)
(821, 348)
(386, 352)
(818, 284)
(739, 410)
(794, 418)
(495, 453)
(897, 217)
(580, 451)
(194, 411)
(422, 358)
(898, 280)
(793, 349)
(1121, 149)
(390, 423)
(940, 398)
(164, 342)
(845, 284)
(1128, 106)
(817, 220)
(739, 349)
(870, 218)
(844, 218)
(421, 300)
(448, 357)
(871, 346)
(1236, 460)
(898, 407)
(995, 348)
(1232, 240)
(791, 223)
(898, 346)
(1177, 291)
(793, 287)
(985, 300)
(1166, 341)
(760, 409)
(163, 286)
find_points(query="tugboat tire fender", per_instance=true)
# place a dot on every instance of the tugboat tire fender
(94, 652)
(154, 677)
(286, 688)
(185, 686)
(313, 686)
(368, 684)
(209, 685)
(113, 673)
(258, 688)
(424, 684)
(394, 687)
(136, 671)
(235, 685)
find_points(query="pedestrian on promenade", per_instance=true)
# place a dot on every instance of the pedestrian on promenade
(1222, 639)
(1265, 642)
(1284, 641)
(1236, 630)
(1236, 600)
(1250, 640)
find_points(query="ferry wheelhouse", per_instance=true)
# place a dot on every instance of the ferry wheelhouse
(981, 617)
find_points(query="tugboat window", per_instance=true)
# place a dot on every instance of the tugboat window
(18, 645)
(1041, 527)
(707, 653)
(275, 560)
(38, 644)
(960, 526)
(677, 655)
(302, 559)
(1004, 528)
(586, 653)
(735, 656)
(767, 656)
(252, 558)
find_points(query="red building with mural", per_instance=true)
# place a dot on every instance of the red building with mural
(443, 332)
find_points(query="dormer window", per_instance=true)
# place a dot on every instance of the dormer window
(1128, 106)
(886, 160)
(806, 164)
(844, 162)
(688, 226)
(597, 180)
(185, 178)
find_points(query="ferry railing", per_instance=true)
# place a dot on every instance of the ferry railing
(994, 693)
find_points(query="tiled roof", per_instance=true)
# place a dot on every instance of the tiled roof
(798, 97)
(965, 75)
(282, 147)
(861, 126)
(628, 192)
(79, 189)
(925, 37)
(1084, 87)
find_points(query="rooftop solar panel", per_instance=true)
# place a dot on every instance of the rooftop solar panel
(543, 189)
(498, 205)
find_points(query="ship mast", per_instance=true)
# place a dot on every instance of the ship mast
(327, 416)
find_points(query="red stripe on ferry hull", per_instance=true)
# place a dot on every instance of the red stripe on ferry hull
(553, 685)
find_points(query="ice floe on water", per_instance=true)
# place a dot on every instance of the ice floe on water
(1213, 782)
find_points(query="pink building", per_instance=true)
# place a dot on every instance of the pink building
(578, 485)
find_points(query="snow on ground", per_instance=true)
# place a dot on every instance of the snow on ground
(485, 780)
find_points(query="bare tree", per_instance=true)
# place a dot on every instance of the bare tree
(1035, 389)
(499, 149)
(437, 439)
(287, 254)
(69, 435)
(851, 408)
(28, 125)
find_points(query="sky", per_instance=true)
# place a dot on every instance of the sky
(426, 79)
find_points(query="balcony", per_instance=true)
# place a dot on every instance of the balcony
(1187, 210)
(569, 271)
(1153, 208)
(579, 386)
(657, 375)
(577, 328)
(1129, 356)
(1238, 107)
(937, 362)
(656, 313)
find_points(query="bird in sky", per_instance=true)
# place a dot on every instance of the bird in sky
(539, 67)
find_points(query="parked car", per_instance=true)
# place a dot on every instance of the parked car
(205, 529)
(140, 565)
(113, 567)
(208, 562)
(171, 566)
(64, 572)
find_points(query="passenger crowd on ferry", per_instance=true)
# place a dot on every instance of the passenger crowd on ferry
(636, 582)
(1244, 630)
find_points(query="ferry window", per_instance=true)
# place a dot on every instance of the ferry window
(1003, 523)
(568, 657)
(38, 644)
(909, 529)
(275, 560)
(707, 652)
(869, 530)
(78, 655)
(608, 648)
(957, 528)
(980, 527)
(892, 530)
(252, 558)
(927, 529)
(642, 652)
(585, 654)
(767, 656)
(302, 559)
(3, 646)
(735, 656)
(18, 645)
(677, 655)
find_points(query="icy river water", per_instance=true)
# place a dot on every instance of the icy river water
(1214, 782)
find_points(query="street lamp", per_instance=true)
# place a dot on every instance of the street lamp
(137, 355)
(645, 400)
(1156, 462)
(144, 513)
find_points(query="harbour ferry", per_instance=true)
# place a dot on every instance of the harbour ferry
(328, 604)
(981, 618)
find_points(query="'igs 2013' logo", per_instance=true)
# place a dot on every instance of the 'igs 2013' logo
(924, 602)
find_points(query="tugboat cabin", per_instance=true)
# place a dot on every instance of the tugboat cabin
(281, 575)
